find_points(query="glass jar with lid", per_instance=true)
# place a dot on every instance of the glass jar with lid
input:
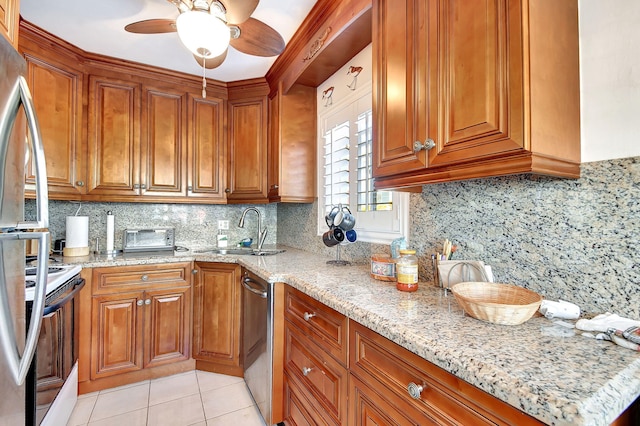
(407, 271)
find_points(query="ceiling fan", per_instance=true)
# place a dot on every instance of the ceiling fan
(208, 27)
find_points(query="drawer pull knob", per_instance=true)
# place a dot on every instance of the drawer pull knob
(427, 145)
(144, 278)
(415, 390)
(139, 302)
(306, 371)
(307, 316)
(147, 302)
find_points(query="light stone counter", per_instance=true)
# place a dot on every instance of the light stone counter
(539, 367)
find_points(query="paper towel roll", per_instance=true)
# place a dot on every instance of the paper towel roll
(110, 230)
(77, 231)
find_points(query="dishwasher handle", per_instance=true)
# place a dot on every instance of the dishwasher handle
(262, 292)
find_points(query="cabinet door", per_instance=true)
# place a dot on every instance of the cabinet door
(167, 319)
(207, 153)
(480, 80)
(248, 150)
(163, 150)
(57, 95)
(216, 315)
(116, 334)
(292, 145)
(9, 10)
(113, 137)
(403, 92)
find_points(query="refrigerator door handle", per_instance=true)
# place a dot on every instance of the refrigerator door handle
(19, 365)
(20, 94)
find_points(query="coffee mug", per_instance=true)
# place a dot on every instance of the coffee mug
(331, 216)
(332, 237)
(350, 236)
(344, 219)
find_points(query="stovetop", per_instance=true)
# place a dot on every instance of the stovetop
(57, 276)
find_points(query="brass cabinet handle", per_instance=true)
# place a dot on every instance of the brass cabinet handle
(306, 371)
(427, 145)
(415, 390)
(307, 316)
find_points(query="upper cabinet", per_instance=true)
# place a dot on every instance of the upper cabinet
(9, 12)
(466, 90)
(248, 142)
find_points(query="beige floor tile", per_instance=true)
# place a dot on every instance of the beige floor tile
(202, 424)
(218, 402)
(119, 388)
(132, 418)
(208, 381)
(179, 412)
(249, 416)
(82, 411)
(121, 401)
(88, 395)
(173, 387)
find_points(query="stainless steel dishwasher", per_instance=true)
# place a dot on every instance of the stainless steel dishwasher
(257, 340)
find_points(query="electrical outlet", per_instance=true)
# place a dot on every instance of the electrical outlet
(223, 224)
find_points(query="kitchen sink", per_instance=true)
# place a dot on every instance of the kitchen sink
(241, 251)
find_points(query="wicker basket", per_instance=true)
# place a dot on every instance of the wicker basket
(504, 304)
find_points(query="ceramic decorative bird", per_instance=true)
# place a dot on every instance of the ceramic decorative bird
(353, 71)
(326, 96)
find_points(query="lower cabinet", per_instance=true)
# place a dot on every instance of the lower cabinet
(140, 324)
(216, 318)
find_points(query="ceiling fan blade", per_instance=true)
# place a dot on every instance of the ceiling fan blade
(152, 26)
(239, 11)
(258, 39)
(212, 63)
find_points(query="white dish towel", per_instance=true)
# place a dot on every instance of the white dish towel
(603, 323)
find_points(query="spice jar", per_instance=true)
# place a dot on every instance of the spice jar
(407, 270)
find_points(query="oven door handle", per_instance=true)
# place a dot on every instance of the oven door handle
(52, 308)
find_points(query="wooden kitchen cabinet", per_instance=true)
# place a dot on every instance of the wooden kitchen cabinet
(57, 89)
(9, 15)
(216, 318)
(381, 372)
(494, 85)
(247, 163)
(292, 145)
(140, 324)
(315, 361)
(113, 137)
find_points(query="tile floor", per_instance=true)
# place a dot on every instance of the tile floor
(195, 398)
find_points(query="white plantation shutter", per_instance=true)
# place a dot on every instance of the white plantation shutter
(346, 144)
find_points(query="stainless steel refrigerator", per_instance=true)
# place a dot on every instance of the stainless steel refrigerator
(19, 135)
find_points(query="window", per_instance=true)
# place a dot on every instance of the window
(345, 156)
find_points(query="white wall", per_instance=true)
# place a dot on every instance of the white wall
(610, 78)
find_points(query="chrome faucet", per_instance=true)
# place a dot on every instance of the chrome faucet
(262, 233)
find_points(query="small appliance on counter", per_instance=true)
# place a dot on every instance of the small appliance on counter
(149, 240)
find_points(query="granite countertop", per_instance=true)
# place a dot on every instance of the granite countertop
(538, 367)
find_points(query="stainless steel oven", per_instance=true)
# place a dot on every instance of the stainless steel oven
(57, 349)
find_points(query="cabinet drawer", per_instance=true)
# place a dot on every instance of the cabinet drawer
(318, 373)
(385, 365)
(298, 410)
(127, 278)
(325, 326)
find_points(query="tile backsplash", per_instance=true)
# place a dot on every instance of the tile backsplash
(576, 240)
(196, 226)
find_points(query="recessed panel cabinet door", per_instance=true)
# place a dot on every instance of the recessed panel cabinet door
(9, 10)
(166, 326)
(57, 96)
(116, 334)
(113, 137)
(207, 153)
(163, 147)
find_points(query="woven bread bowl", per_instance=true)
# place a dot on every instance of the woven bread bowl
(503, 304)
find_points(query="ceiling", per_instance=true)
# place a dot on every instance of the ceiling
(98, 27)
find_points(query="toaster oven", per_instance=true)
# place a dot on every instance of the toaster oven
(148, 240)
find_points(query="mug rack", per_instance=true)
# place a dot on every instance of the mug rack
(337, 261)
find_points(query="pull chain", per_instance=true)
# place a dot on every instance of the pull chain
(204, 79)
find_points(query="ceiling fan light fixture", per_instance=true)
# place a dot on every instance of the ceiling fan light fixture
(205, 35)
